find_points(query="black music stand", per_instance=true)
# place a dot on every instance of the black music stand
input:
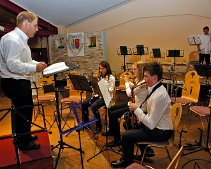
(156, 52)
(140, 50)
(106, 147)
(174, 54)
(54, 70)
(61, 144)
(79, 83)
(123, 50)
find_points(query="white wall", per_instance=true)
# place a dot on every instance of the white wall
(163, 24)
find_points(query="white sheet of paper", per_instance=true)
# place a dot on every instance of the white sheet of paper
(55, 68)
(106, 95)
(194, 39)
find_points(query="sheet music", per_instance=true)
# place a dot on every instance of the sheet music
(194, 39)
(55, 68)
(106, 95)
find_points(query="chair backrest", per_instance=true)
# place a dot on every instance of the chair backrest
(191, 86)
(209, 103)
(176, 112)
(175, 161)
(114, 95)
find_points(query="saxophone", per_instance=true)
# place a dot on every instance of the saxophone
(133, 118)
(130, 118)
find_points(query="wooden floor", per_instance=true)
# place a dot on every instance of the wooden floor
(70, 158)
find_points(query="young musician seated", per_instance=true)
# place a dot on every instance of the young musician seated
(96, 103)
(137, 91)
(156, 125)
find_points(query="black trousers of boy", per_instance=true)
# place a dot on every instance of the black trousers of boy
(141, 133)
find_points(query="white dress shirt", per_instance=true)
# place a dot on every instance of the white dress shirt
(110, 84)
(15, 56)
(205, 45)
(158, 110)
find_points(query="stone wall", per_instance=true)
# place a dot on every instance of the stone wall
(88, 63)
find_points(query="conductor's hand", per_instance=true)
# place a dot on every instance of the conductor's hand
(132, 106)
(41, 66)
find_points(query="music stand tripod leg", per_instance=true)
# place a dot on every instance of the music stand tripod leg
(105, 146)
(81, 151)
(42, 113)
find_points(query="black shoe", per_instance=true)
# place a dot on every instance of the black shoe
(30, 146)
(113, 144)
(108, 133)
(149, 153)
(120, 163)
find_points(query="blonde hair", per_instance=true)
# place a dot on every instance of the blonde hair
(25, 15)
(140, 65)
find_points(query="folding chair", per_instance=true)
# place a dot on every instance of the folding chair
(176, 112)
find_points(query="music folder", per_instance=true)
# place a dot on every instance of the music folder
(58, 68)
(105, 93)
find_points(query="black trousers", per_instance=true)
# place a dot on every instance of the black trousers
(116, 112)
(95, 105)
(20, 93)
(141, 133)
(204, 56)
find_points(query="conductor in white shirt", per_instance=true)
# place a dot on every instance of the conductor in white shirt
(16, 67)
(204, 47)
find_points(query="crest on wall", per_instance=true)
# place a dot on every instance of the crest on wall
(75, 44)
